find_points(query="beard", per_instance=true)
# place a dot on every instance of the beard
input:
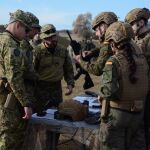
(51, 44)
(101, 38)
(135, 32)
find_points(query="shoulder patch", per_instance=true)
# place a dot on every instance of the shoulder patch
(109, 63)
(16, 52)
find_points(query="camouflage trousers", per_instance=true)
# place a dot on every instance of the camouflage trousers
(12, 129)
(47, 94)
(120, 130)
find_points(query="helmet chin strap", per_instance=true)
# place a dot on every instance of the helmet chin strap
(139, 28)
(101, 39)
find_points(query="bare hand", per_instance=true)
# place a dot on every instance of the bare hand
(77, 58)
(100, 99)
(28, 113)
(69, 89)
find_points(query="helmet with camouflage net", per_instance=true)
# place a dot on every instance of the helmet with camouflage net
(20, 16)
(106, 17)
(137, 14)
(47, 30)
(119, 32)
(33, 20)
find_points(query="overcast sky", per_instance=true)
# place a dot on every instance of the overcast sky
(62, 13)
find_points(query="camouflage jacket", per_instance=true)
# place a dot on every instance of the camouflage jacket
(109, 88)
(115, 84)
(96, 67)
(11, 66)
(29, 72)
(52, 67)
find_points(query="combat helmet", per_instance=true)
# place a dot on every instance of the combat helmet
(106, 17)
(119, 32)
(137, 14)
(33, 20)
(20, 16)
(47, 30)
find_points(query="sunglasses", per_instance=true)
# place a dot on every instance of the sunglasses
(50, 31)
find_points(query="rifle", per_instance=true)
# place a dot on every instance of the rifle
(77, 50)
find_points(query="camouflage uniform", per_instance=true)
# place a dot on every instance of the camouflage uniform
(51, 68)
(30, 76)
(143, 41)
(34, 23)
(96, 67)
(12, 126)
(124, 100)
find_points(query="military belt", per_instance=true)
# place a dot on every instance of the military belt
(129, 106)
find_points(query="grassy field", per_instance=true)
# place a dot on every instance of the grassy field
(78, 90)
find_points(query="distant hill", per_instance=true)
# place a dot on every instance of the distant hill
(63, 33)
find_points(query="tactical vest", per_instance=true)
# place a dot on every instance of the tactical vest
(132, 95)
(143, 44)
(138, 50)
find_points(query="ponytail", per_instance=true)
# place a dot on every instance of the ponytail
(132, 65)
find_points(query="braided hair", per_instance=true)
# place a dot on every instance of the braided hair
(128, 53)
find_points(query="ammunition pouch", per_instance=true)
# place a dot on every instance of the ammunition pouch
(135, 106)
(105, 108)
(10, 102)
(7, 97)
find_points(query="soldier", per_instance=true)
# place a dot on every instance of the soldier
(14, 100)
(35, 30)
(30, 76)
(138, 18)
(124, 88)
(100, 25)
(52, 63)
